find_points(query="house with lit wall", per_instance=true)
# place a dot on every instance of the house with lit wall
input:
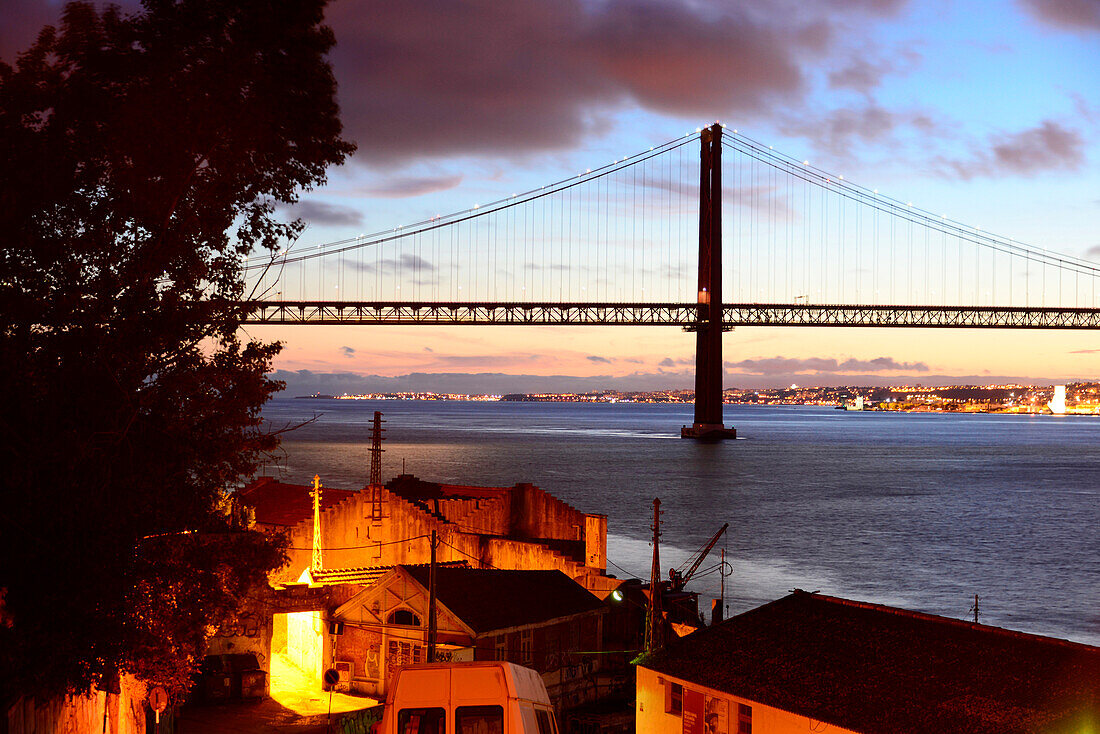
(540, 619)
(809, 662)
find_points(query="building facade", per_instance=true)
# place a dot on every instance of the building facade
(539, 619)
(809, 662)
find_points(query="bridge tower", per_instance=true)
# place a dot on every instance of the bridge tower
(708, 424)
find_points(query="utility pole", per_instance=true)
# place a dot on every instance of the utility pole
(375, 484)
(317, 563)
(717, 614)
(431, 605)
(975, 609)
(652, 625)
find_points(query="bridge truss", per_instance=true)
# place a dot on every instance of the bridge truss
(685, 315)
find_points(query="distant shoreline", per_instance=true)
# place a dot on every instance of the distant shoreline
(995, 400)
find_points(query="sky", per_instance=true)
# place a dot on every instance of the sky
(985, 110)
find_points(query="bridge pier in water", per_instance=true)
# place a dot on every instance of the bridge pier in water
(708, 424)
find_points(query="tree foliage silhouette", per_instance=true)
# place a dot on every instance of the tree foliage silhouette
(141, 158)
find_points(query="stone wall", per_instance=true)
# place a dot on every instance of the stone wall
(81, 714)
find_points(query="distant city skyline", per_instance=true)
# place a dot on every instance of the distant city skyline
(304, 382)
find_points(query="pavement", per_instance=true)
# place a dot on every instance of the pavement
(297, 706)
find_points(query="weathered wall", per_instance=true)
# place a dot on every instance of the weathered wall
(352, 539)
(82, 714)
(305, 644)
(595, 541)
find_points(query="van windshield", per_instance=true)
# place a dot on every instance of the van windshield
(421, 721)
(479, 720)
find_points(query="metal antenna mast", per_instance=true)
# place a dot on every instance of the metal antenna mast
(376, 449)
(317, 563)
(375, 484)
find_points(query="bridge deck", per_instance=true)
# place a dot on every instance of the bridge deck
(686, 315)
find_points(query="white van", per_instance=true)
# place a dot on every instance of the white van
(479, 697)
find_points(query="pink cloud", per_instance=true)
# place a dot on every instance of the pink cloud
(430, 78)
(1073, 15)
(1047, 147)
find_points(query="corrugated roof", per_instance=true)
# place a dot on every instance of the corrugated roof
(491, 599)
(872, 668)
(278, 503)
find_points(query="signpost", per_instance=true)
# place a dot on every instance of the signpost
(158, 701)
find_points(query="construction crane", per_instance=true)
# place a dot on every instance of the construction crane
(679, 580)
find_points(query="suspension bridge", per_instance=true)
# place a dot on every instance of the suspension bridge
(640, 241)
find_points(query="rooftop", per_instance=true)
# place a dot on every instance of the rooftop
(367, 575)
(278, 503)
(873, 668)
(491, 599)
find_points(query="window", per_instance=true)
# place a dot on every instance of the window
(501, 648)
(403, 617)
(421, 721)
(525, 638)
(478, 720)
(674, 699)
(545, 721)
(744, 719)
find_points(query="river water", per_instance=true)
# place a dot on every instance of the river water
(921, 511)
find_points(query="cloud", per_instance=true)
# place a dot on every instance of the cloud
(823, 365)
(866, 70)
(348, 351)
(1085, 351)
(602, 360)
(428, 349)
(840, 131)
(405, 261)
(1072, 15)
(321, 213)
(1047, 147)
(513, 78)
(405, 186)
(670, 362)
(1093, 251)
(488, 359)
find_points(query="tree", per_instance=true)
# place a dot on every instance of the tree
(141, 158)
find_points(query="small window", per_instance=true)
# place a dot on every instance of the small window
(545, 721)
(674, 699)
(478, 720)
(744, 719)
(403, 617)
(502, 648)
(525, 644)
(421, 721)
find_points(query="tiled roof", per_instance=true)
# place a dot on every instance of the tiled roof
(277, 503)
(491, 599)
(367, 575)
(872, 668)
